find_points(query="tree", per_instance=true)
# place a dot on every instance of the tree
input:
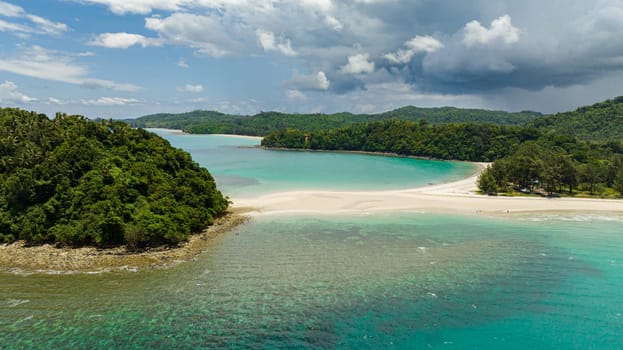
(618, 182)
(487, 182)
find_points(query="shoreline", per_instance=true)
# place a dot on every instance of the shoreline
(458, 197)
(17, 258)
(367, 153)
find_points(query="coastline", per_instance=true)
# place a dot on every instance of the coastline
(367, 153)
(17, 258)
(458, 197)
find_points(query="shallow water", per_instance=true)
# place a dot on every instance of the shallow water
(403, 281)
(242, 171)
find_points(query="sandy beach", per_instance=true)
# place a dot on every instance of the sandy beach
(458, 197)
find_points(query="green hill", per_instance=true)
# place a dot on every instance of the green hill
(600, 122)
(77, 182)
(210, 122)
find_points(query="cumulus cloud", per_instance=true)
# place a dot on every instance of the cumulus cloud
(269, 42)
(208, 34)
(501, 30)
(123, 40)
(191, 88)
(315, 81)
(10, 94)
(40, 63)
(35, 24)
(414, 46)
(358, 64)
(333, 23)
(441, 47)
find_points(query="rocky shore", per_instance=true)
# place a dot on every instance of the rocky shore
(19, 258)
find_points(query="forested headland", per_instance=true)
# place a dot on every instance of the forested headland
(77, 182)
(540, 157)
(210, 122)
(471, 142)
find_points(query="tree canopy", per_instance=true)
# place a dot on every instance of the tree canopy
(473, 142)
(601, 122)
(78, 182)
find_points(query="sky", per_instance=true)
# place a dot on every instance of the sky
(127, 58)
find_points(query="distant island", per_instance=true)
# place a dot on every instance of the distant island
(75, 182)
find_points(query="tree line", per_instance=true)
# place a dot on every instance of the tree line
(211, 122)
(557, 165)
(525, 158)
(472, 142)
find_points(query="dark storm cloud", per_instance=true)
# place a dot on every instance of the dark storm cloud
(559, 44)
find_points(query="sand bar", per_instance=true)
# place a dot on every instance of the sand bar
(458, 197)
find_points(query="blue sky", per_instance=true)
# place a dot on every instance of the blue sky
(126, 58)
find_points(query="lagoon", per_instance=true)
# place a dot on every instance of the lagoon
(242, 170)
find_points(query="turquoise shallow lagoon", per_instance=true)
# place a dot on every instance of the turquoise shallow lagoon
(401, 281)
(242, 171)
(391, 281)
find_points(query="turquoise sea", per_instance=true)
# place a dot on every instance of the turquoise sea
(395, 281)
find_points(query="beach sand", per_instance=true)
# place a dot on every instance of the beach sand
(458, 197)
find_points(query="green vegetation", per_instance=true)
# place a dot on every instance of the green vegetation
(558, 164)
(473, 142)
(600, 122)
(78, 182)
(576, 153)
(209, 122)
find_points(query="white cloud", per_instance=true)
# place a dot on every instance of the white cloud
(54, 101)
(122, 7)
(10, 10)
(207, 34)
(9, 93)
(358, 64)
(38, 25)
(374, 1)
(13, 27)
(123, 40)
(501, 30)
(191, 88)
(318, 5)
(181, 63)
(41, 63)
(110, 101)
(333, 23)
(269, 42)
(315, 81)
(414, 46)
(296, 95)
